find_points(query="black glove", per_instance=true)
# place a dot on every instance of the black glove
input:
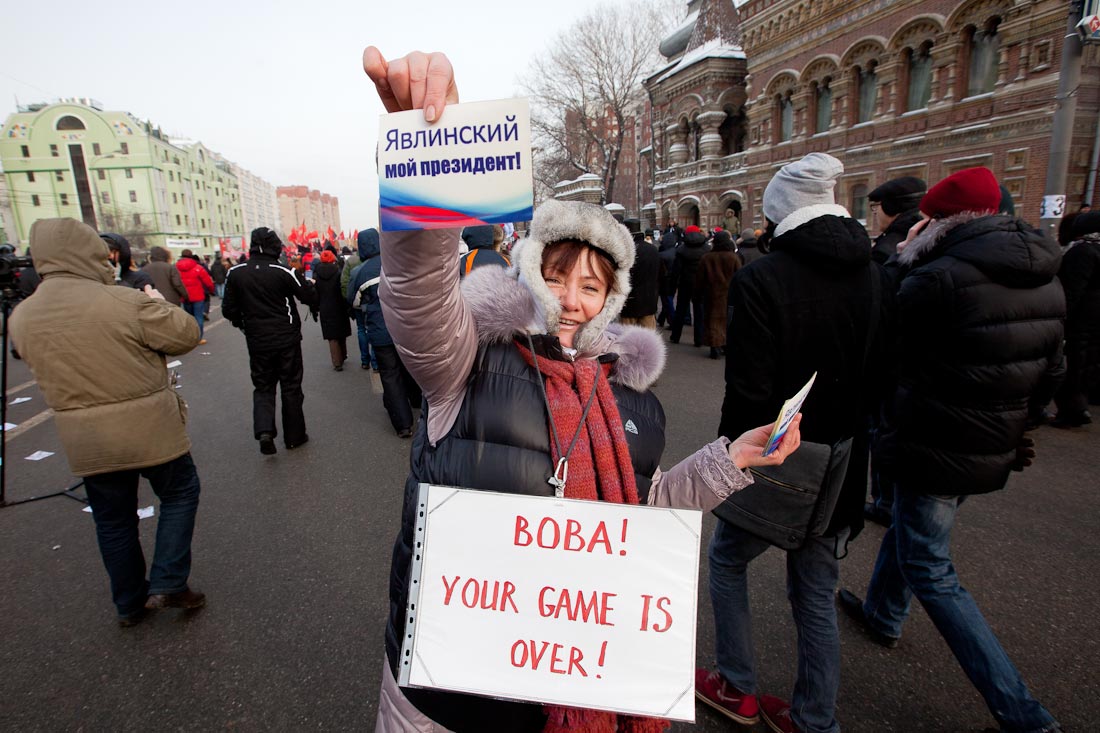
(1025, 452)
(314, 314)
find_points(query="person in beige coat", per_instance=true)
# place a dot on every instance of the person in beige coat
(98, 353)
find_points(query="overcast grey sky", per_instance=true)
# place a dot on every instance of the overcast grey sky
(275, 86)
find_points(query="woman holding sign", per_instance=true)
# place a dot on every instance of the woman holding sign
(532, 389)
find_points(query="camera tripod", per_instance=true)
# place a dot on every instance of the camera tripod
(9, 297)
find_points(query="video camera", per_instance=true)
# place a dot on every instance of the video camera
(10, 263)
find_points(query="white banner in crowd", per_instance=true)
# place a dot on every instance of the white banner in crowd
(576, 603)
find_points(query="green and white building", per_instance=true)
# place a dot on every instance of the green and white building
(116, 173)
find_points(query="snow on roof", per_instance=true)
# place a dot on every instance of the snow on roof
(710, 50)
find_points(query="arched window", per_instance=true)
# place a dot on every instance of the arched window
(920, 77)
(985, 46)
(732, 132)
(823, 102)
(68, 122)
(867, 80)
(786, 117)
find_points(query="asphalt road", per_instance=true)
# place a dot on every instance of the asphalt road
(293, 552)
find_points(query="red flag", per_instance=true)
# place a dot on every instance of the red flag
(331, 234)
(293, 238)
(355, 235)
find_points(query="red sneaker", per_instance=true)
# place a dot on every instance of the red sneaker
(712, 688)
(777, 714)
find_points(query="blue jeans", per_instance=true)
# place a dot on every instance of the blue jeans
(196, 309)
(811, 583)
(915, 559)
(367, 354)
(113, 498)
(219, 290)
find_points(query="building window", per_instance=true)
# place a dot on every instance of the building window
(202, 223)
(823, 100)
(95, 148)
(129, 172)
(25, 150)
(59, 176)
(200, 203)
(64, 199)
(985, 46)
(137, 220)
(1042, 55)
(68, 122)
(174, 199)
(920, 78)
(101, 174)
(53, 150)
(859, 202)
(106, 197)
(868, 92)
(30, 176)
(177, 219)
(171, 176)
(786, 117)
(133, 197)
(35, 200)
(124, 148)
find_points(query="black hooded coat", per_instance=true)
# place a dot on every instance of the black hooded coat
(335, 323)
(805, 308)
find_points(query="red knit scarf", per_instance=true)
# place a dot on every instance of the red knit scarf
(599, 469)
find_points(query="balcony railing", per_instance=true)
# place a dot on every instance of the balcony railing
(705, 168)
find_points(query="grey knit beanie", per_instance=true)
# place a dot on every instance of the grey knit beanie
(805, 182)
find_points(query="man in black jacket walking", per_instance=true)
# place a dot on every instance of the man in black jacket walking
(980, 318)
(260, 300)
(816, 303)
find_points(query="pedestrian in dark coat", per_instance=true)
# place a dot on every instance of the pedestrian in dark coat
(119, 248)
(815, 303)
(165, 276)
(400, 392)
(666, 288)
(895, 204)
(747, 248)
(979, 321)
(260, 299)
(640, 308)
(716, 270)
(689, 302)
(335, 325)
(1080, 276)
(217, 273)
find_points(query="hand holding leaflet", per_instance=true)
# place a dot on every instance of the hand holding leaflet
(786, 415)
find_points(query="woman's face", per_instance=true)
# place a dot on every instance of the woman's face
(581, 291)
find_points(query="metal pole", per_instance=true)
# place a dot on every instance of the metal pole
(1065, 108)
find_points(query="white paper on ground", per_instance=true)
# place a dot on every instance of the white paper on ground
(9, 426)
(19, 400)
(205, 353)
(87, 509)
(145, 513)
(38, 455)
(174, 364)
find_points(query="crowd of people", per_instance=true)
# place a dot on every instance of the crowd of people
(936, 346)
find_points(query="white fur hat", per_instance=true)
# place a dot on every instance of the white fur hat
(557, 221)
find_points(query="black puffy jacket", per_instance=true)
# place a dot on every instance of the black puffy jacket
(499, 442)
(642, 300)
(260, 299)
(886, 244)
(686, 263)
(979, 319)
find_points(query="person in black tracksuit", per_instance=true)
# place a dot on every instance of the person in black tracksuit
(260, 300)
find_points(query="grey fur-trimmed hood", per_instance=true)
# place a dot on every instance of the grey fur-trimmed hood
(557, 221)
(503, 305)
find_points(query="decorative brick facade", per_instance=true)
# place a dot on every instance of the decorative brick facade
(955, 84)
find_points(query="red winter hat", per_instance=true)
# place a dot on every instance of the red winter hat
(328, 256)
(972, 189)
(691, 229)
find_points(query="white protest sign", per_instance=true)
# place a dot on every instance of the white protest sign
(470, 167)
(577, 603)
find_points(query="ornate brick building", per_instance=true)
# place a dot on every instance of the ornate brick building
(891, 87)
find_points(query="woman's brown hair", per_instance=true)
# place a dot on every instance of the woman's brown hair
(562, 256)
